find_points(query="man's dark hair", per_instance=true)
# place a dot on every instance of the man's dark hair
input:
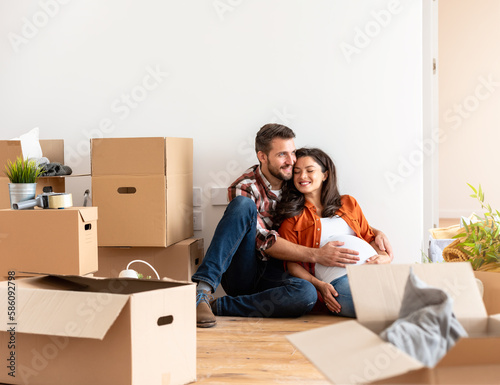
(292, 201)
(268, 132)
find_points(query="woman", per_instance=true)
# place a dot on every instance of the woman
(313, 211)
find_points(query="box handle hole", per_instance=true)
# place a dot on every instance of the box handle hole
(126, 190)
(88, 226)
(196, 261)
(165, 320)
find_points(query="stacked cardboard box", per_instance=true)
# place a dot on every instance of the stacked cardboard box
(63, 328)
(49, 241)
(144, 190)
(11, 149)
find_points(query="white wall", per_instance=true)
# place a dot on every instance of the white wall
(230, 70)
(469, 99)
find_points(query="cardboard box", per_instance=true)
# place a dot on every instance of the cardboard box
(179, 261)
(49, 241)
(11, 149)
(144, 190)
(491, 295)
(80, 331)
(352, 352)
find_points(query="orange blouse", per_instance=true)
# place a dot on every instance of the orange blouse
(305, 229)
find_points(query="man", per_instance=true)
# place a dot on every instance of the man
(246, 253)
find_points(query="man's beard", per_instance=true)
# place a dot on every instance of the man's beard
(278, 173)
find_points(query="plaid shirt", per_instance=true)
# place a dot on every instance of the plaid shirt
(254, 185)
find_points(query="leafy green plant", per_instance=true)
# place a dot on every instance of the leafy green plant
(481, 239)
(22, 171)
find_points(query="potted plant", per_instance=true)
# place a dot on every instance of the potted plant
(22, 174)
(480, 241)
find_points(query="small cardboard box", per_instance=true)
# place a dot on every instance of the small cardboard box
(49, 241)
(11, 149)
(81, 331)
(144, 190)
(178, 261)
(352, 352)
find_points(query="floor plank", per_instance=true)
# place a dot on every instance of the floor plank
(255, 351)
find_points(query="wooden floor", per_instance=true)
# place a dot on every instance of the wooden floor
(255, 351)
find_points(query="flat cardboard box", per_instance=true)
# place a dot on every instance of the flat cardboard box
(81, 331)
(178, 261)
(144, 190)
(352, 352)
(49, 241)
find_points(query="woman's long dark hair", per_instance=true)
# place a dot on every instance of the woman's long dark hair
(292, 201)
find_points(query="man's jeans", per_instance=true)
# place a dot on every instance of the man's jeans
(255, 288)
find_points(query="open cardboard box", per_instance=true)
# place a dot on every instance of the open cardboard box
(351, 352)
(81, 331)
(53, 149)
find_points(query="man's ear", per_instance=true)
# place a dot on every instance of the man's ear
(262, 157)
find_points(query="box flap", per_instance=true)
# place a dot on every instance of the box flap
(128, 156)
(348, 353)
(88, 214)
(53, 150)
(178, 156)
(377, 290)
(69, 313)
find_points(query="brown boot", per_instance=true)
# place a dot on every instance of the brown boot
(204, 316)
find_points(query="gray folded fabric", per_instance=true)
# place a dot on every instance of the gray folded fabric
(426, 328)
(55, 169)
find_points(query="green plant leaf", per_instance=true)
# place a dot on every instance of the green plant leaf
(472, 187)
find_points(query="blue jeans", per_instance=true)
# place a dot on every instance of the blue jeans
(341, 284)
(255, 288)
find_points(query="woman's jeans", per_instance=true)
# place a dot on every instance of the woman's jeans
(255, 288)
(341, 284)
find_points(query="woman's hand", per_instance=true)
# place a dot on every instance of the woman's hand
(378, 259)
(329, 293)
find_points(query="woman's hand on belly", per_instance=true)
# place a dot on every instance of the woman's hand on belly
(378, 259)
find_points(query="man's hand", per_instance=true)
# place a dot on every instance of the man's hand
(382, 242)
(378, 259)
(329, 293)
(333, 255)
